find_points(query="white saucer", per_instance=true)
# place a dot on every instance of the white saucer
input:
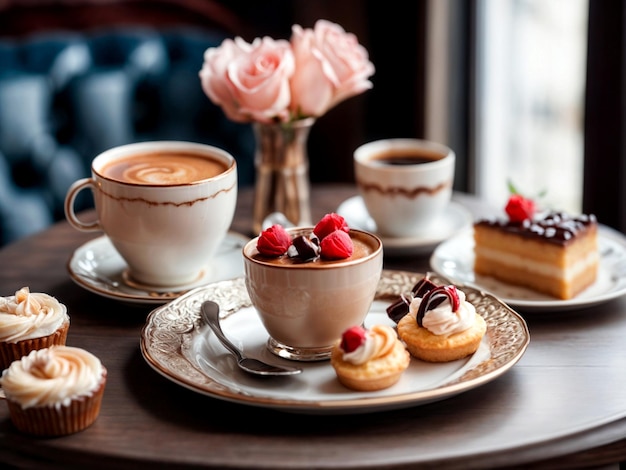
(454, 219)
(454, 259)
(99, 268)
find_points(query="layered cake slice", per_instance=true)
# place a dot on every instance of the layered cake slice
(555, 253)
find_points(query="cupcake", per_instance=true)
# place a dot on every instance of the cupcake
(30, 321)
(368, 360)
(441, 326)
(54, 391)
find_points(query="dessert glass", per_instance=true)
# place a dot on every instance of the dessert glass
(306, 306)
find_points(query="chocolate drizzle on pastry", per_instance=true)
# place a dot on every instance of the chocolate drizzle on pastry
(556, 227)
(400, 307)
(435, 297)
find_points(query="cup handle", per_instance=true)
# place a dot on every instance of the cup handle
(70, 215)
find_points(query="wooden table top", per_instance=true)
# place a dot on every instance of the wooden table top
(563, 405)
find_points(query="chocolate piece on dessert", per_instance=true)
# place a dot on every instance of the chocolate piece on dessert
(305, 247)
(421, 288)
(556, 254)
(400, 307)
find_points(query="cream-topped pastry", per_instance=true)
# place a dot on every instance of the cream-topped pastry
(444, 318)
(441, 325)
(28, 321)
(371, 359)
(55, 390)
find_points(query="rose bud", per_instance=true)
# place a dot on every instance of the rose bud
(274, 241)
(328, 224)
(337, 245)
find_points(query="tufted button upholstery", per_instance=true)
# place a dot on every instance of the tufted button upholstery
(65, 97)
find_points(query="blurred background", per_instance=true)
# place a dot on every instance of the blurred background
(526, 91)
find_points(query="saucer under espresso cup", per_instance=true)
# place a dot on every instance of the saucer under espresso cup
(166, 207)
(406, 184)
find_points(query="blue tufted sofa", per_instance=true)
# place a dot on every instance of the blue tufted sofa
(66, 96)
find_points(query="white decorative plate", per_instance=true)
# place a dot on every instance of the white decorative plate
(454, 259)
(454, 219)
(176, 343)
(99, 268)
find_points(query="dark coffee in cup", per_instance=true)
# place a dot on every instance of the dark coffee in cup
(405, 157)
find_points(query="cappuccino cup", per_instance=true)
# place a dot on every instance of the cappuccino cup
(405, 184)
(166, 207)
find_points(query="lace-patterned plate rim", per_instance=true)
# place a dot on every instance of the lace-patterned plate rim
(171, 330)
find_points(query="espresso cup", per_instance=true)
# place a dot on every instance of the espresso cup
(306, 306)
(405, 184)
(166, 207)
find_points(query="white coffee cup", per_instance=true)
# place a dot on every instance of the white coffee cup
(166, 209)
(406, 184)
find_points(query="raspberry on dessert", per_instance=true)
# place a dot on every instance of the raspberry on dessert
(329, 223)
(274, 241)
(352, 338)
(336, 245)
(518, 208)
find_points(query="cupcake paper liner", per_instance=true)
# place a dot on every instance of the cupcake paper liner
(10, 352)
(52, 421)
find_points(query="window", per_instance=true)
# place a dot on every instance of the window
(529, 102)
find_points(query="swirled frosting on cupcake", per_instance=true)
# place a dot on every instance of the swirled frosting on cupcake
(377, 342)
(28, 315)
(52, 376)
(444, 318)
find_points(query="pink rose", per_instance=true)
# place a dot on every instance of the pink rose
(214, 77)
(250, 81)
(331, 66)
(273, 81)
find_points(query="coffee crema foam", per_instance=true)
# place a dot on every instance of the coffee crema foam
(163, 168)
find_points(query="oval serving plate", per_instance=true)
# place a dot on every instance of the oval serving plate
(176, 344)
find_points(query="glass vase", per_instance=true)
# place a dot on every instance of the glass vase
(282, 172)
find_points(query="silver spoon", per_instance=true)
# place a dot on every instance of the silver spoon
(210, 314)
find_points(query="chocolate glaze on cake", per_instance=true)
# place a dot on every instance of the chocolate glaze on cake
(556, 227)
